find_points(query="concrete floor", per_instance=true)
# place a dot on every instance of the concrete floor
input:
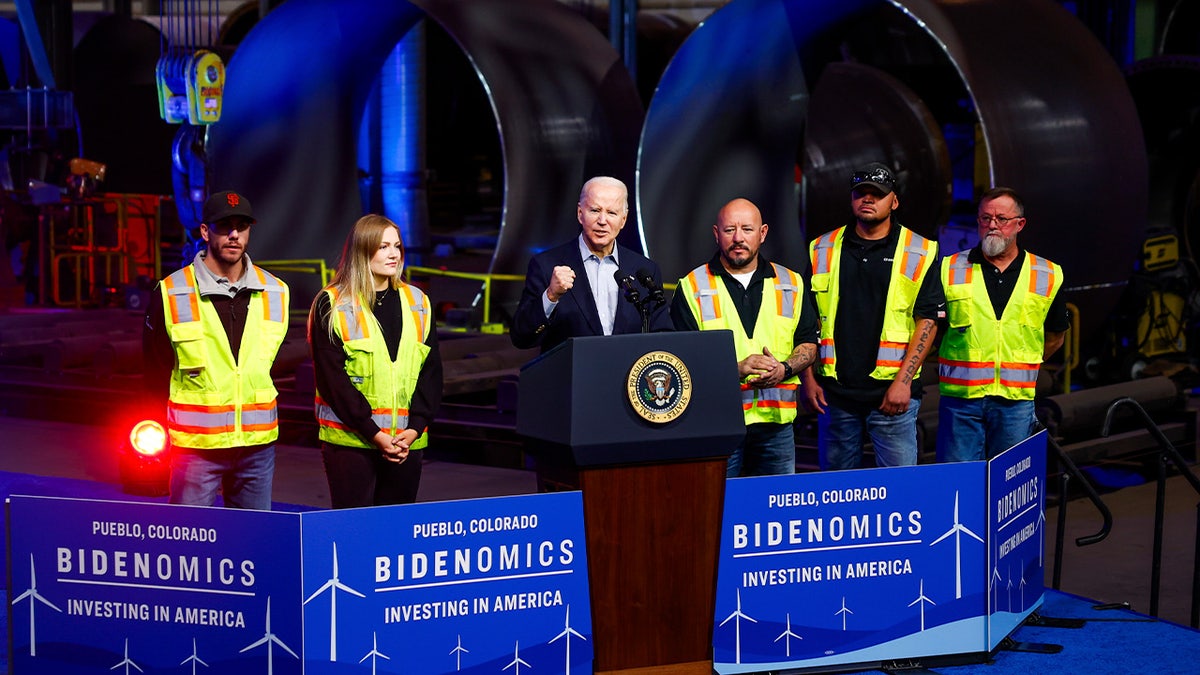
(1115, 570)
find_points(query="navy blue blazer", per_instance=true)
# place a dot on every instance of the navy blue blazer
(576, 314)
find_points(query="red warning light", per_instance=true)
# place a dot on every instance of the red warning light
(148, 438)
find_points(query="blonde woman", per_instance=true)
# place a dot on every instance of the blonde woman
(378, 371)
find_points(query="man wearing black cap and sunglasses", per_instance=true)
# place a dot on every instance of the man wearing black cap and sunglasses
(209, 342)
(878, 305)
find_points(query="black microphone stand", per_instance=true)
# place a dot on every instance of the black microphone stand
(630, 291)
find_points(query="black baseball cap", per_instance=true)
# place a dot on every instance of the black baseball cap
(875, 174)
(222, 205)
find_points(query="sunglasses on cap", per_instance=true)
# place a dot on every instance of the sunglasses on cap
(882, 176)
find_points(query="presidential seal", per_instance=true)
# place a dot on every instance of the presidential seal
(659, 387)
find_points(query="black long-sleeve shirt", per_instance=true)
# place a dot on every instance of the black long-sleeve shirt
(348, 403)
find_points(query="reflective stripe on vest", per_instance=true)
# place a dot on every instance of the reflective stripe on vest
(274, 302)
(823, 252)
(382, 417)
(891, 354)
(785, 291)
(1021, 375)
(960, 269)
(826, 352)
(1041, 277)
(222, 419)
(966, 373)
(705, 283)
(779, 396)
(915, 255)
(416, 304)
(182, 295)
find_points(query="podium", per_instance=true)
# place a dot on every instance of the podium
(645, 423)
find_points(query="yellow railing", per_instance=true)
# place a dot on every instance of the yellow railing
(310, 266)
(1071, 347)
(485, 279)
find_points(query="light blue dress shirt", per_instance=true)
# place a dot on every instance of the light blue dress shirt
(604, 286)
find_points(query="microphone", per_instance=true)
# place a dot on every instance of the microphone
(628, 286)
(655, 288)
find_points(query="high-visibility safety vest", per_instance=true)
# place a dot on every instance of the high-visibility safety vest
(775, 328)
(982, 355)
(387, 385)
(215, 401)
(912, 260)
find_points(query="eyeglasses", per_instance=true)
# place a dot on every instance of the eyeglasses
(882, 176)
(1002, 221)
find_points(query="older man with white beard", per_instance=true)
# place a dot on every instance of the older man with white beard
(1005, 316)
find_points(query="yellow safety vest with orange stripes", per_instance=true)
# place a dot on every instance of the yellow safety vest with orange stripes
(387, 385)
(912, 260)
(775, 328)
(215, 401)
(982, 355)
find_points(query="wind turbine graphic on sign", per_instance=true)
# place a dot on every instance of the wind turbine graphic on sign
(333, 586)
(517, 661)
(566, 635)
(374, 654)
(270, 640)
(787, 633)
(31, 594)
(194, 659)
(126, 661)
(457, 653)
(957, 529)
(922, 600)
(738, 616)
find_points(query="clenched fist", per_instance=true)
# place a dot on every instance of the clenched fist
(561, 281)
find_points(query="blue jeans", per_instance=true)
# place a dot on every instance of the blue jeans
(244, 476)
(968, 426)
(767, 450)
(841, 432)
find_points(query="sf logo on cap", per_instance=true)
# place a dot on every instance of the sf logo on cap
(232, 198)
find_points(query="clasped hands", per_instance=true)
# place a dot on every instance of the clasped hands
(395, 448)
(761, 370)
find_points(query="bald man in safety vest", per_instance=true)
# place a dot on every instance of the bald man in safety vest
(1005, 316)
(774, 328)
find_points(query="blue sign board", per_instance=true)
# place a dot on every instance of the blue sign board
(488, 585)
(849, 567)
(127, 588)
(472, 586)
(1017, 523)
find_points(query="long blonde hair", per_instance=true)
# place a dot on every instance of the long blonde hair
(353, 277)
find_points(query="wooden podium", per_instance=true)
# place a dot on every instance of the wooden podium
(645, 424)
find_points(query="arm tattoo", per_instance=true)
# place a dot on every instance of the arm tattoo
(916, 349)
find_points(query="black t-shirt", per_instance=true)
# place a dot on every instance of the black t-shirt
(1000, 286)
(865, 270)
(748, 301)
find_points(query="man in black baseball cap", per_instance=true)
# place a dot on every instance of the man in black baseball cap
(209, 340)
(222, 205)
(875, 175)
(878, 304)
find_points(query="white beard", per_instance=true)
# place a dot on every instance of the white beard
(994, 244)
